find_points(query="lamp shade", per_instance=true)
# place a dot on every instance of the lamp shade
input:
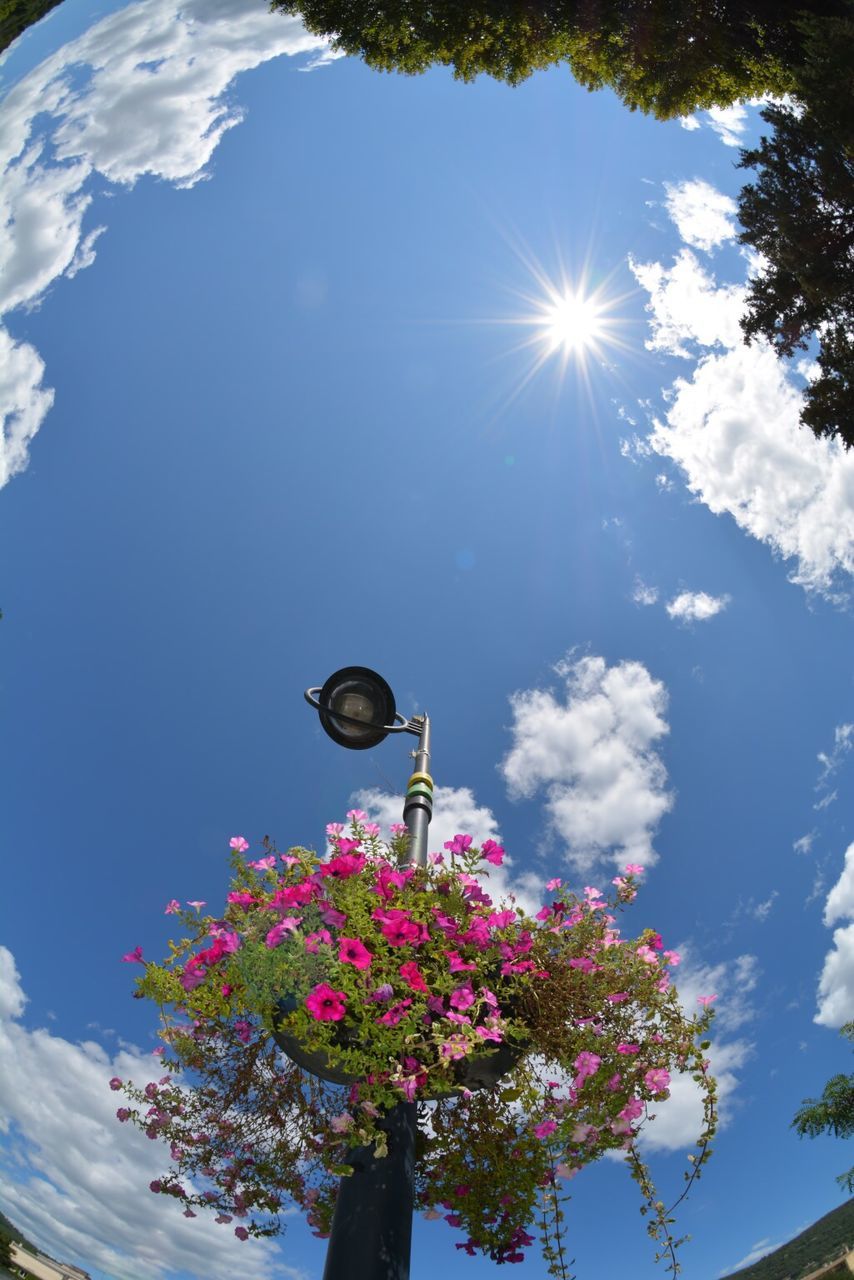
(356, 707)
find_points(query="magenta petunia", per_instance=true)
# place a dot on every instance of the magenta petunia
(413, 976)
(492, 852)
(325, 1004)
(353, 951)
(238, 844)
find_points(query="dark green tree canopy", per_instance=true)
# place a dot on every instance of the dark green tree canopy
(666, 57)
(799, 214)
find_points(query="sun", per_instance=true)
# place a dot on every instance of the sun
(573, 322)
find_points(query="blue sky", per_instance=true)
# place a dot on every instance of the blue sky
(268, 410)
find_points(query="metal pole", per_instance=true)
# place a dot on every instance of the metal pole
(371, 1236)
(418, 805)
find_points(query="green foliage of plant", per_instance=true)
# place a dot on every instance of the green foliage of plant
(409, 980)
(799, 214)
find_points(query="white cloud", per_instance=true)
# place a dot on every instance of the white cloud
(24, 402)
(840, 900)
(593, 753)
(760, 1250)
(78, 1184)
(455, 811)
(762, 910)
(689, 122)
(679, 1119)
(687, 307)
(843, 741)
(143, 91)
(644, 594)
(733, 428)
(729, 123)
(836, 984)
(695, 606)
(702, 214)
(805, 843)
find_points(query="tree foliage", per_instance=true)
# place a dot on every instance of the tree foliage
(17, 15)
(665, 57)
(799, 215)
(832, 1113)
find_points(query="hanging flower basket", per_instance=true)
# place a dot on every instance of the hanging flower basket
(546, 1039)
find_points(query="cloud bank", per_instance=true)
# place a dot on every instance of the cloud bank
(142, 92)
(732, 426)
(76, 1181)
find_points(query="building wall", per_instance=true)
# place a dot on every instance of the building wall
(44, 1268)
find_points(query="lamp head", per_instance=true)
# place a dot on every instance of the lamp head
(356, 708)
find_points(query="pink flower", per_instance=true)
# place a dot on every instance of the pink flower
(399, 932)
(264, 864)
(672, 957)
(393, 1015)
(413, 976)
(565, 1171)
(326, 1005)
(357, 815)
(551, 885)
(543, 1130)
(242, 1030)
(238, 844)
(646, 954)
(115, 1083)
(398, 828)
(617, 997)
(344, 866)
(462, 998)
(278, 931)
(241, 899)
(456, 964)
(353, 951)
(454, 1047)
(614, 1083)
(657, 1080)
(371, 829)
(123, 1114)
(489, 1031)
(241, 1233)
(172, 907)
(341, 1124)
(334, 829)
(501, 919)
(632, 1109)
(586, 1064)
(459, 845)
(632, 869)
(134, 957)
(705, 1001)
(197, 905)
(492, 852)
(628, 1048)
(314, 940)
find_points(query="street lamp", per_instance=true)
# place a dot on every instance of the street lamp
(371, 1236)
(357, 710)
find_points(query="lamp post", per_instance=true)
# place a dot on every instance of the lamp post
(371, 1236)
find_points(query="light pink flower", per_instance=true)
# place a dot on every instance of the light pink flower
(646, 954)
(543, 1130)
(672, 957)
(264, 864)
(334, 829)
(632, 869)
(172, 907)
(586, 1064)
(398, 828)
(197, 905)
(357, 815)
(371, 829)
(342, 1124)
(454, 1047)
(551, 885)
(278, 931)
(632, 1109)
(238, 844)
(705, 1001)
(657, 1080)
